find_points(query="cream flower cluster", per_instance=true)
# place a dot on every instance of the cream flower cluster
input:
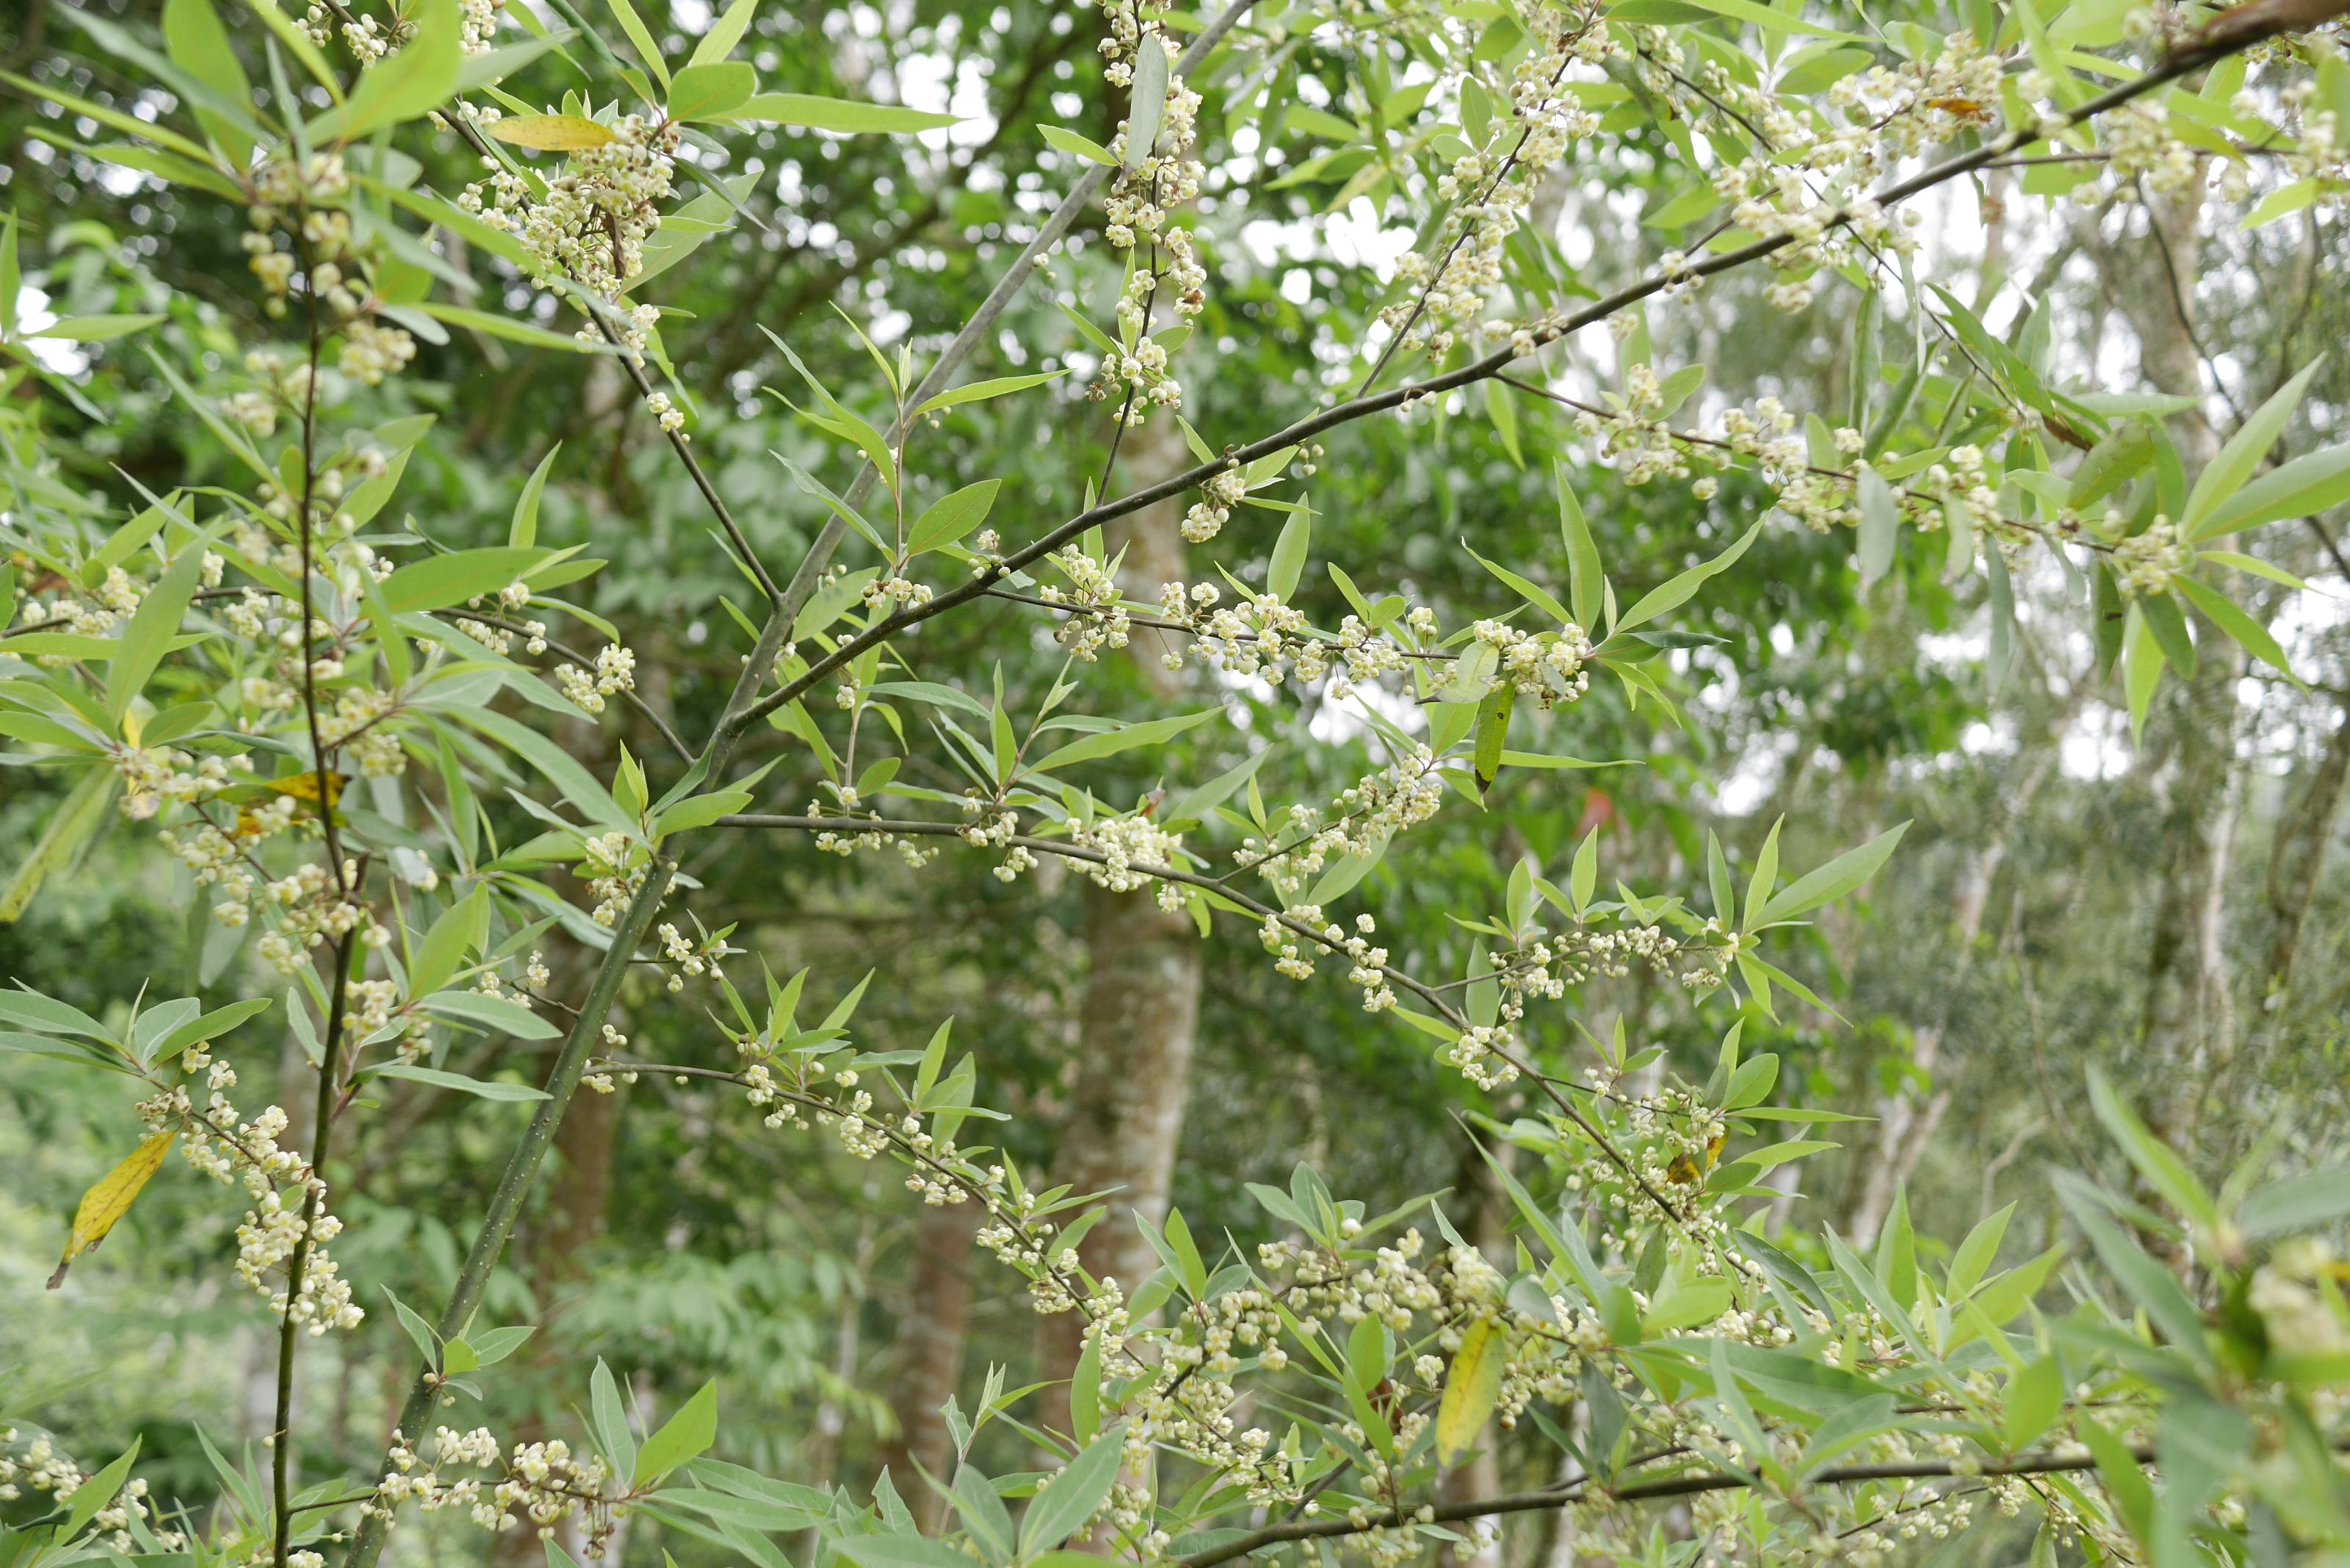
(34, 1465)
(588, 225)
(1140, 210)
(1489, 189)
(615, 672)
(539, 1486)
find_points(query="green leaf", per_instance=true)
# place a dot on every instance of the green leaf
(976, 392)
(2223, 480)
(689, 1433)
(639, 39)
(493, 1014)
(1880, 524)
(2234, 620)
(1063, 1505)
(438, 582)
(1470, 1389)
(200, 46)
(2297, 1203)
(951, 517)
(483, 1088)
(700, 811)
(149, 635)
(95, 328)
(1767, 19)
(93, 1495)
(1679, 590)
(839, 114)
(1832, 881)
(1977, 1252)
(491, 324)
(2146, 1282)
(402, 86)
(462, 928)
(523, 531)
(2164, 1171)
(724, 34)
(1533, 593)
(1147, 102)
(2142, 663)
(711, 91)
(2035, 1397)
(208, 1026)
(78, 816)
(608, 1417)
(1061, 139)
(1125, 738)
(1288, 564)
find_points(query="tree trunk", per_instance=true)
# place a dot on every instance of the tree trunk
(2296, 858)
(2185, 1020)
(1141, 1005)
(931, 1327)
(1126, 1108)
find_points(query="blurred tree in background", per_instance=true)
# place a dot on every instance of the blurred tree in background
(1952, 472)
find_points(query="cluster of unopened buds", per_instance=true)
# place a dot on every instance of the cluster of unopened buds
(1151, 184)
(34, 1465)
(1546, 666)
(540, 1487)
(693, 958)
(1096, 618)
(1389, 801)
(613, 866)
(588, 225)
(1489, 188)
(94, 614)
(1135, 849)
(265, 1243)
(897, 590)
(2148, 563)
(1218, 495)
(615, 672)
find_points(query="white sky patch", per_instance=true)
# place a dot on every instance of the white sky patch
(33, 315)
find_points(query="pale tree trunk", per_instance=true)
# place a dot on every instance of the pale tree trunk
(932, 1325)
(2298, 854)
(2187, 1019)
(1126, 1108)
(1142, 1008)
(1906, 1124)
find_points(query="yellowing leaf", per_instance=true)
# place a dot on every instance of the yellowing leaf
(552, 132)
(305, 786)
(1470, 1389)
(111, 1199)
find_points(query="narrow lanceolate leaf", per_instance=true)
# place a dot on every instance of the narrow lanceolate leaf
(1470, 1389)
(149, 635)
(1149, 99)
(838, 114)
(1110, 742)
(685, 1436)
(70, 826)
(1832, 881)
(2219, 483)
(2301, 488)
(111, 1199)
(1880, 523)
(1064, 1504)
(552, 132)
